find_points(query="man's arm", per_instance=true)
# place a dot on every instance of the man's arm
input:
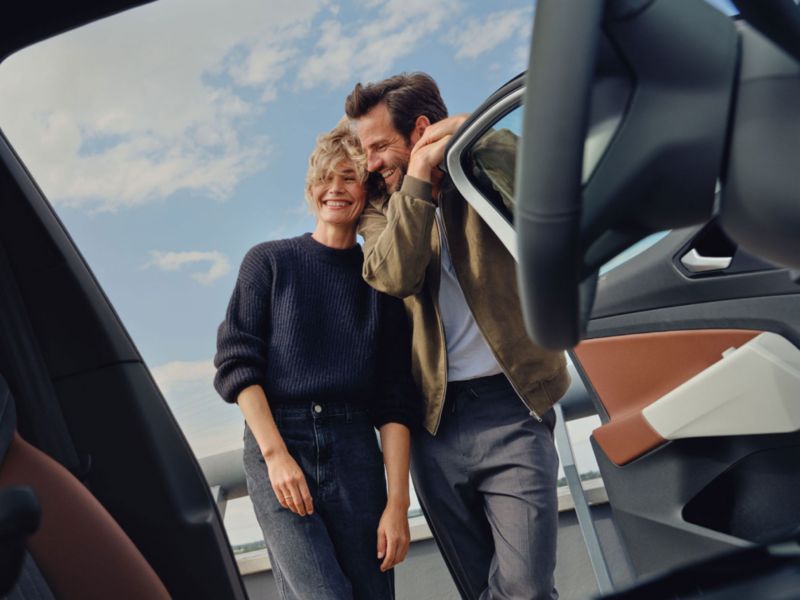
(397, 239)
(396, 234)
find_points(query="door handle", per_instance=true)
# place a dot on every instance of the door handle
(696, 263)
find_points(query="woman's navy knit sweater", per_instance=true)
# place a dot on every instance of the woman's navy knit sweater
(304, 325)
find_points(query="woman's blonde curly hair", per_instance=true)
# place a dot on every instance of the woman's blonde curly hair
(335, 151)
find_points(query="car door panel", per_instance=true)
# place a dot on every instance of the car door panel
(631, 372)
(653, 280)
(665, 497)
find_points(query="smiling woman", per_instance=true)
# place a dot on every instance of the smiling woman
(316, 359)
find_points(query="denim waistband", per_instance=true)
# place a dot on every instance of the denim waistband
(316, 410)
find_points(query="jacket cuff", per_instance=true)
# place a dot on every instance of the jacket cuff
(416, 188)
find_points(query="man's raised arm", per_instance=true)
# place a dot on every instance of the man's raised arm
(397, 239)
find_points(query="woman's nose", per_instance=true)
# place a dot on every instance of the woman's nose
(337, 183)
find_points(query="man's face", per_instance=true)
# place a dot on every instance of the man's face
(387, 151)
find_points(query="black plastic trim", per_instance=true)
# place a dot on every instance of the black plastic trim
(26, 23)
(651, 280)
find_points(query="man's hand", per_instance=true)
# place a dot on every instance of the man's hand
(289, 483)
(426, 158)
(394, 537)
(437, 131)
(428, 152)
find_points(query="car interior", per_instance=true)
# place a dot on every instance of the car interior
(664, 128)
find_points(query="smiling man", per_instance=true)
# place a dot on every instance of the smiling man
(485, 465)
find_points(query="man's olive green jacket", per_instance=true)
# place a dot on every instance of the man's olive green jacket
(402, 258)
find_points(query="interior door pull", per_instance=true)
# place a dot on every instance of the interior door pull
(700, 264)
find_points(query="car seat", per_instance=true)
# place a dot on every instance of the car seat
(79, 551)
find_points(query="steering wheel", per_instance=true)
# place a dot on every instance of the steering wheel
(662, 142)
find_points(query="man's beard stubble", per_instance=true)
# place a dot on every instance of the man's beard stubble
(402, 169)
(401, 173)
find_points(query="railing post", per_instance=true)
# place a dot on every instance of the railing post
(220, 496)
(585, 520)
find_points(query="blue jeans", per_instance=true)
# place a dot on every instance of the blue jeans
(331, 554)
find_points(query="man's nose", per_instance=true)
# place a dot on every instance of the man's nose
(373, 162)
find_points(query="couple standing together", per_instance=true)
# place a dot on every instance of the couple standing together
(318, 350)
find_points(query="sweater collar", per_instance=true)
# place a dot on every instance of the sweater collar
(351, 257)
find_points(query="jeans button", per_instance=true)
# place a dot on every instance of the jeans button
(318, 408)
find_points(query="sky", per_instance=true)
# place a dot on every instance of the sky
(174, 137)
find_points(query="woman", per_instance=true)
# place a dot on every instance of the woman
(316, 359)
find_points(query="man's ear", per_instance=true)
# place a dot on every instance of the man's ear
(420, 126)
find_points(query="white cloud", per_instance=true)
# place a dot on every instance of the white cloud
(173, 261)
(210, 425)
(180, 375)
(476, 36)
(367, 49)
(520, 58)
(133, 108)
(276, 233)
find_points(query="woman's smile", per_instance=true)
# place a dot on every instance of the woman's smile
(337, 203)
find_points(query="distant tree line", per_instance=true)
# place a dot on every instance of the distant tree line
(588, 476)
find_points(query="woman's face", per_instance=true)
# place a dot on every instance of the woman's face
(339, 197)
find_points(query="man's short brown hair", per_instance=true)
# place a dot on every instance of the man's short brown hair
(407, 97)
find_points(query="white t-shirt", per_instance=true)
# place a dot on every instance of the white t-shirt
(468, 355)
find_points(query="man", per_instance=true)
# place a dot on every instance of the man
(485, 466)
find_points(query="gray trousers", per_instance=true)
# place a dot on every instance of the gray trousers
(487, 485)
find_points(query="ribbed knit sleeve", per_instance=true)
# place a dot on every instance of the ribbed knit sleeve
(241, 339)
(398, 400)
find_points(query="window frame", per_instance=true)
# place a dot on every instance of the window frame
(494, 218)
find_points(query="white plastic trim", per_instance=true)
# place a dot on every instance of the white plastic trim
(752, 390)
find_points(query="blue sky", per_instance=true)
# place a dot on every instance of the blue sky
(174, 137)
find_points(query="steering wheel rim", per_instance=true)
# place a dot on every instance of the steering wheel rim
(556, 297)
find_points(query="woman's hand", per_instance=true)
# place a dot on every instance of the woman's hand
(393, 536)
(289, 483)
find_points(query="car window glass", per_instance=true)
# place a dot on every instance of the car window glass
(491, 162)
(634, 250)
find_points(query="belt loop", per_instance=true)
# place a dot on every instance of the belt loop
(279, 417)
(348, 412)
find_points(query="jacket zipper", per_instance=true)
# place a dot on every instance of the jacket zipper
(532, 412)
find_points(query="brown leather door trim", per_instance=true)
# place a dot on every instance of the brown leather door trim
(630, 372)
